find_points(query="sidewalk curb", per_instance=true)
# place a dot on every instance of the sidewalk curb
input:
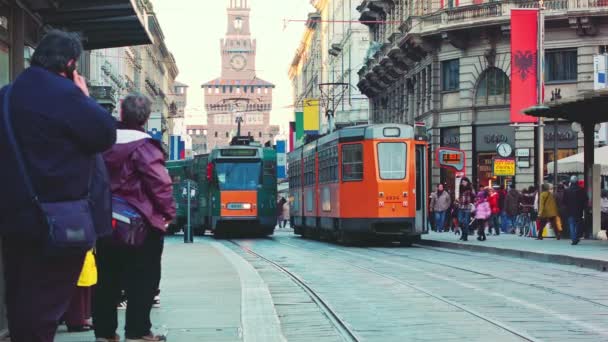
(258, 315)
(600, 265)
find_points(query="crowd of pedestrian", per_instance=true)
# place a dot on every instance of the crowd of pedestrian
(497, 210)
(67, 159)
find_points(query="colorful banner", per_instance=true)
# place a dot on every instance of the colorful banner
(299, 129)
(281, 159)
(292, 135)
(311, 116)
(524, 63)
(177, 148)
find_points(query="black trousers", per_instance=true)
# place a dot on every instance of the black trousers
(137, 270)
(39, 288)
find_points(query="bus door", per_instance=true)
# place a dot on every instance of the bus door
(421, 189)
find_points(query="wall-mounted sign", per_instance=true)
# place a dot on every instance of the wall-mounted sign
(488, 137)
(451, 158)
(504, 167)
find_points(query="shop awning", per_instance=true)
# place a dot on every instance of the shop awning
(574, 163)
(102, 23)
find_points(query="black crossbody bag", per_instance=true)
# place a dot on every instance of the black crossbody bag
(69, 224)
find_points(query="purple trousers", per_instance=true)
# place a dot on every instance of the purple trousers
(79, 310)
(39, 288)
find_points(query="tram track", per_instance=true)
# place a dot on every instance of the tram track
(339, 324)
(544, 288)
(501, 325)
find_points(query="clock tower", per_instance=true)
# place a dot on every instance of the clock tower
(238, 49)
(238, 93)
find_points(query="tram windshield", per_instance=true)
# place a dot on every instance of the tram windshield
(238, 175)
(391, 160)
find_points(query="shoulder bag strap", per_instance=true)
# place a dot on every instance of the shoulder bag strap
(10, 134)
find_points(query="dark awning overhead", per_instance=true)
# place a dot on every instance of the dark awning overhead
(102, 23)
(587, 107)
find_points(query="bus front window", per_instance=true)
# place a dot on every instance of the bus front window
(238, 175)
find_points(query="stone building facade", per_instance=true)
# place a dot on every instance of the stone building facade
(238, 92)
(450, 68)
(331, 51)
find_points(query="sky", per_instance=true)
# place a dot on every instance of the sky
(193, 29)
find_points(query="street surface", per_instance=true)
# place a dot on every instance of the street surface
(318, 291)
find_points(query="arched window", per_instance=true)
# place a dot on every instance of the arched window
(493, 88)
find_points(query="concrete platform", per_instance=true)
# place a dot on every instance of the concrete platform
(588, 253)
(202, 297)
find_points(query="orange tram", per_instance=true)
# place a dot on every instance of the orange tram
(359, 183)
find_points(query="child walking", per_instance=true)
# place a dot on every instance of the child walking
(482, 213)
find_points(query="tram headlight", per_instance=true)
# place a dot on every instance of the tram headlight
(246, 206)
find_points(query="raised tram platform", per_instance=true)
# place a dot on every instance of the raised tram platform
(208, 293)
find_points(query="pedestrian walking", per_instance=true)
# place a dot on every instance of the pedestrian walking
(512, 201)
(285, 214)
(482, 213)
(562, 209)
(465, 201)
(58, 131)
(494, 221)
(576, 201)
(77, 317)
(547, 211)
(138, 175)
(279, 211)
(440, 203)
(527, 210)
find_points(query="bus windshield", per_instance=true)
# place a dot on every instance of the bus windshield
(238, 175)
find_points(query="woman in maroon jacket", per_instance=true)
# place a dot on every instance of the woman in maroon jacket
(136, 165)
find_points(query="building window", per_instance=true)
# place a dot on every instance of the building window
(560, 65)
(248, 134)
(260, 134)
(352, 162)
(217, 90)
(227, 135)
(198, 132)
(493, 88)
(216, 134)
(450, 75)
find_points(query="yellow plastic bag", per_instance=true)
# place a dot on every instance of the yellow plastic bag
(88, 275)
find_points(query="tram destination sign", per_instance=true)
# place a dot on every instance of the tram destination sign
(238, 152)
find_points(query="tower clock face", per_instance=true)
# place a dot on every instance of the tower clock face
(238, 62)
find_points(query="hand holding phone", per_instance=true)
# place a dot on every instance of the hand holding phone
(81, 83)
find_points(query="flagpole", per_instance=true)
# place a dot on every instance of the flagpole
(540, 83)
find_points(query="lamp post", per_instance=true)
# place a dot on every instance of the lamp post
(540, 84)
(555, 95)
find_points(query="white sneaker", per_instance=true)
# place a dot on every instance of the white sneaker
(156, 303)
(122, 305)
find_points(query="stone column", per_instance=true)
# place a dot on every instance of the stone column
(524, 138)
(466, 144)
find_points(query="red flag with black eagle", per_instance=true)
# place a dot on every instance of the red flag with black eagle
(524, 63)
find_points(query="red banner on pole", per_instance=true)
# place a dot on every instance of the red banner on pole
(524, 62)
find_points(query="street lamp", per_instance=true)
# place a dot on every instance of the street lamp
(540, 84)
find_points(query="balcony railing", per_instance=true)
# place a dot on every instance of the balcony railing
(502, 9)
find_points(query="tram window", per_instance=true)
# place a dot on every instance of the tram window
(391, 160)
(239, 175)
(352, 162)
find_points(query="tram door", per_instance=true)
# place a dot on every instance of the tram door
(421, 189)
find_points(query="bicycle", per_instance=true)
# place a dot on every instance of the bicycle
(524, 223)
